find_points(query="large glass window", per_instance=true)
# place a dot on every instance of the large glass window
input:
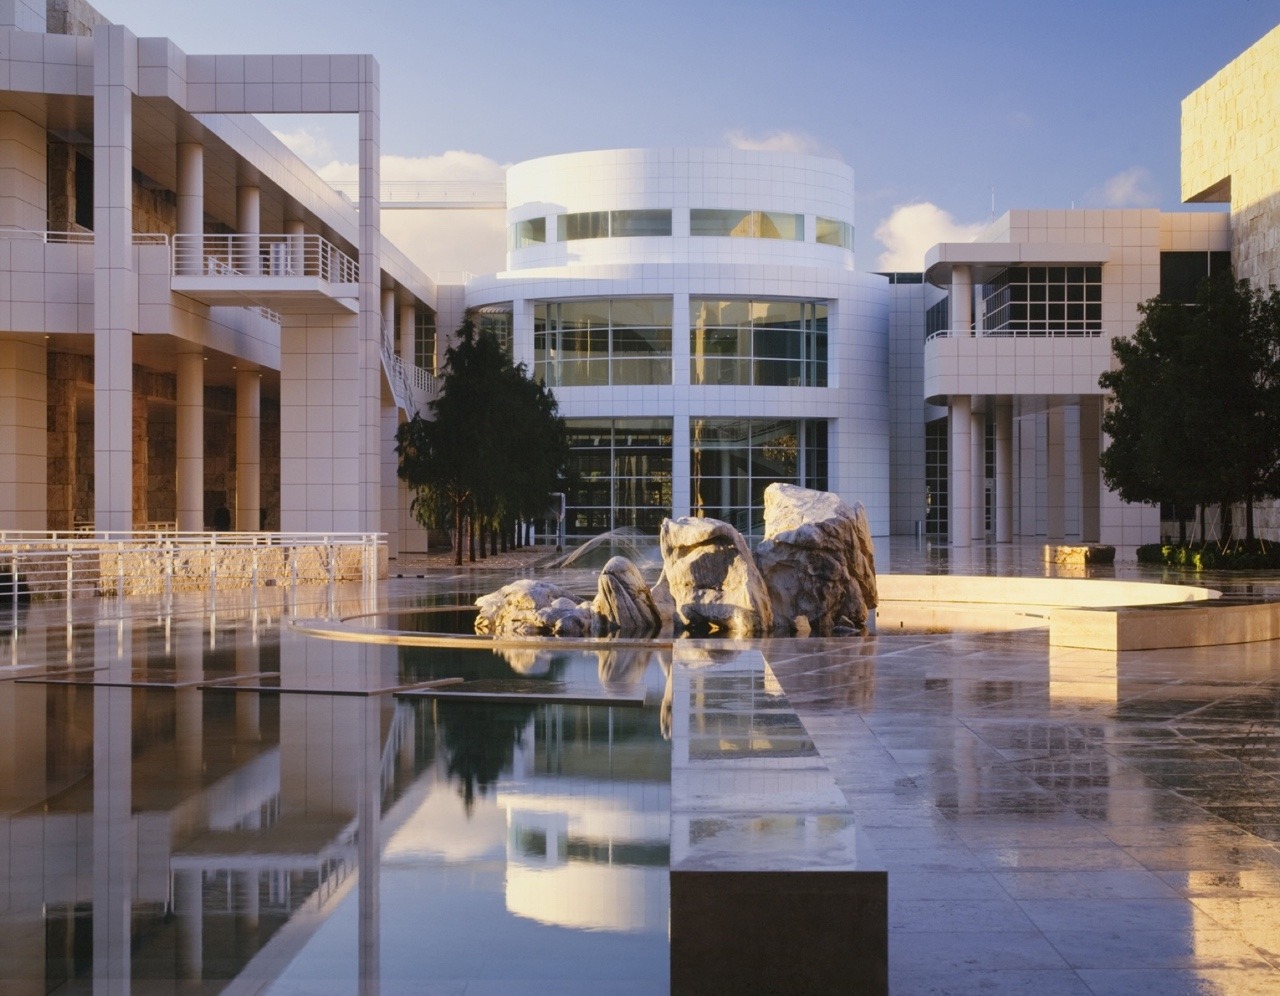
(732, 461)
(613, 224)
(746, 224)
(619, 474)
(530, 232)
(495, 320)
(776, 343)
(831, 232)
(618, 341)
(424, 340)
(1181, 273)
(1043, 300)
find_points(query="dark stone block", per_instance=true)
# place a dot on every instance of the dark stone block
(779, 932)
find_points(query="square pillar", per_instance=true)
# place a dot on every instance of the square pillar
(959, 464)
(115, 281)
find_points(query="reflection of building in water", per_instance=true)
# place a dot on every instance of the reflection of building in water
(588, 817)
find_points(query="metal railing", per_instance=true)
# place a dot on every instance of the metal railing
(1053, 333)
(432, 193)
(76, 238)
(263, 255)
(162, 562)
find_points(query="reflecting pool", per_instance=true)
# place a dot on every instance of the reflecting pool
(199, 800)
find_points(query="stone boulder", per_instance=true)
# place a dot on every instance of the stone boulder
(623, 602)
(712, 578)
(817, 560)
(533, 608)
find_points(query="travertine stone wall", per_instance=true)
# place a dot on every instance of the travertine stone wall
(1231, 152)
(72, 17)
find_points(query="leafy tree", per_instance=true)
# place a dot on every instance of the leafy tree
(495, 446)
(1194, 413)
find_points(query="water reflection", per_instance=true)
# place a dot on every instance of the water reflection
(169, 815)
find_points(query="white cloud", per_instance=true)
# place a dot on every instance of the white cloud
(440, 240)
(307, 145)
(1132, 188)
(779, 141)
(912, 229)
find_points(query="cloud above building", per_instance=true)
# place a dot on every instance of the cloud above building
(1131, 188)
(779, 141)
(438, 241)
(912, 229)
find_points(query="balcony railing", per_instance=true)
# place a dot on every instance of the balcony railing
(241, 255)
(163, 562)
(76, 238)
(1014, 334)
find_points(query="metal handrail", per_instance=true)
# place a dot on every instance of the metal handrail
(67, 564)
(1014, 334)
(76, 238)
(270, 255)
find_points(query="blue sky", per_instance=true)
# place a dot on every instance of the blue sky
(1046, 104)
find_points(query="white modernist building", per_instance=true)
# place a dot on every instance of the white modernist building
(197, 331)
(698, 315)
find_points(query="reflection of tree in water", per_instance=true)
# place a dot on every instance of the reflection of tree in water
(479, 742)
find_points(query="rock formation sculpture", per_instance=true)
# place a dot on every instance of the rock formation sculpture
(817, 561)
(623, 602)
(713, 579)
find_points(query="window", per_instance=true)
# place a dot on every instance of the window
(613, 224)
(530, 232)
(1181, 273)
(772, 343)
(1044, 300)
(732, 461)
(620, 474)
(624, 224)
(935, 477)
(583, 225)
(746, 224)
(424, 340)
(495, 320)
(831, 232)
(937, 317)
(618, 341)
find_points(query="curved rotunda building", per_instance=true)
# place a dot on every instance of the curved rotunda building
(697, 314)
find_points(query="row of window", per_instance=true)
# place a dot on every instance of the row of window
(621, 469)
(766, 343)
(1042, 299)
(716, 222)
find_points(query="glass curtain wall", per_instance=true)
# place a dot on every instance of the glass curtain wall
(619, 475)
(618, 341)
(762, 343)
(732, 461)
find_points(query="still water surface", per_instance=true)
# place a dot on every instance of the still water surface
(230, 806)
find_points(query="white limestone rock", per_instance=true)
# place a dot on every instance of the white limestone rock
(817, 560)
(532, 608)
(713, 579)
(623, 602)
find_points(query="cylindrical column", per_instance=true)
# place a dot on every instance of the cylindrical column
(248, 450)
(249, 225)
(960, 485)
(190, 461)
(1090, 469)
(1004, 471)
(295, 229)
(191, 206)
(408, 331)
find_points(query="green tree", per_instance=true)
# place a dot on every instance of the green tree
(494, 448)
(1194, 405)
